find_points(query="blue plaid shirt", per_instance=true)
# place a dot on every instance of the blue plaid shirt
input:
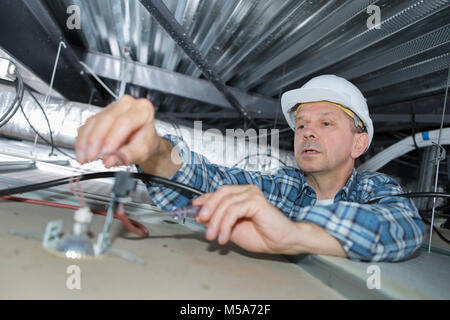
(389, 230)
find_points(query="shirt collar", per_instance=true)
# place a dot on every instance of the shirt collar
(346, 190)
(342, 193)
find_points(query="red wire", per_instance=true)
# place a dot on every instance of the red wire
(120, 214)
(79, 196)
(131, 225)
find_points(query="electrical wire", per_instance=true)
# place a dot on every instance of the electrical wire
(17, 103)
(119, 214)
(51, 143)
(77, 191)
(131, 225)
(99, 175)
(170, 183)
(413, 195)
(443, 207)
(20, 88)
(6, 193)
(12, 109)
(436, 230)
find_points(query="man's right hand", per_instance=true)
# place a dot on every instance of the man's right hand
(125, 127)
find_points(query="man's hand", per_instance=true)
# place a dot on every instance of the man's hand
(243, 215)
(125, 132)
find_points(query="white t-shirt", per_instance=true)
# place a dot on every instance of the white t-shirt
(324, 202)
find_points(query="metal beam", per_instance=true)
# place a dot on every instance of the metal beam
(30, 34)
(166, 19)
(213, 115)
(177, 84)
(401, 93)
(419, 118)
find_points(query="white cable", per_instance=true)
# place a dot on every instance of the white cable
(423, 139)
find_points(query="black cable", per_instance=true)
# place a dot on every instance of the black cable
(46, 119)
(16, 102)
(40, 136)
(436, 230)
(99, 175)
(20, 86)
(443, 207)
(174, 184)
(413, 195)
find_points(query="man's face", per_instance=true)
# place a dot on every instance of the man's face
(324, 141)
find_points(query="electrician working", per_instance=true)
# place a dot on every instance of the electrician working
(318, 208)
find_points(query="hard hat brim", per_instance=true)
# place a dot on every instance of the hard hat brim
(292, 97)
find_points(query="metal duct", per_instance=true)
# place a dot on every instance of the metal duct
(251, 152)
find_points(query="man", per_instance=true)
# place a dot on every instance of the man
(319, 208)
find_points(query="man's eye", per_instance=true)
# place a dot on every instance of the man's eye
(326, 123)
(300, 126)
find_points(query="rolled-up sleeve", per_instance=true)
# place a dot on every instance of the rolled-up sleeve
(198, 172)
(281, 187)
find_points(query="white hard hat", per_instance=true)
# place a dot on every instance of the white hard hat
(331, 88)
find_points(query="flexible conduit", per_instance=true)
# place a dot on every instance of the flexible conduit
(423, 139)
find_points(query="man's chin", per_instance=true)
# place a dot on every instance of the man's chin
(308, 168)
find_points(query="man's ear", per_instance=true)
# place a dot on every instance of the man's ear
(360, 143)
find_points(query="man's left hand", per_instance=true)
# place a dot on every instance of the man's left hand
(241, 214)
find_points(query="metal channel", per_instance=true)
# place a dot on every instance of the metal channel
(411, 72)
(160, 12)
(417, 11)
(401, 52)
(308, 38)
(174, 83)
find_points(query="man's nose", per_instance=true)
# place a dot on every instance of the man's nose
(309, 133)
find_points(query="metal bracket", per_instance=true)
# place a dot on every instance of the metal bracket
(52, 234)
(440, 153)
(7, 70)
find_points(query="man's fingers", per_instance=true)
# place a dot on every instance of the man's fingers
(209, 205)
(112, 160)
(91, 138)
(200, 201)
(220, 211)
(88, 140)
(107, 131)
(235, 211)
(140, 145)
(124, 126)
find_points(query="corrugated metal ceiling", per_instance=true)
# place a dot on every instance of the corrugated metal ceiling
(267, 47)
